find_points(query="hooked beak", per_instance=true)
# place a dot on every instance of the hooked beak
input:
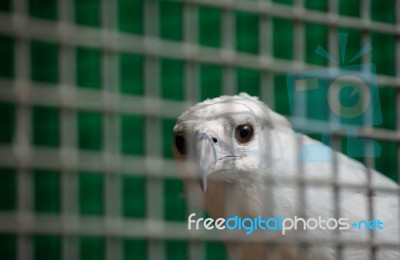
(206, 156)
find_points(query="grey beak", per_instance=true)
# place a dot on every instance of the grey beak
(206, 156)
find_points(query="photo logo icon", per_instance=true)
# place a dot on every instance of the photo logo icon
(344, 98)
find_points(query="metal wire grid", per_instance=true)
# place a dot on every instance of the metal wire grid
(69, 98)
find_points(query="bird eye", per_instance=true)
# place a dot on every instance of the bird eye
(244, 133)
(180, 144)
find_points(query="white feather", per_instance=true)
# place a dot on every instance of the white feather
(271, 157)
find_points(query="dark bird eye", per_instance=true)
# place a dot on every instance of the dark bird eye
(244, 133)
(180, 144)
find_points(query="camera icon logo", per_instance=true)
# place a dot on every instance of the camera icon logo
(342, 98)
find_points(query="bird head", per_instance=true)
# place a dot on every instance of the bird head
(227, 138)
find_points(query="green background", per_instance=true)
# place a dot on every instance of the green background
(44, 65)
